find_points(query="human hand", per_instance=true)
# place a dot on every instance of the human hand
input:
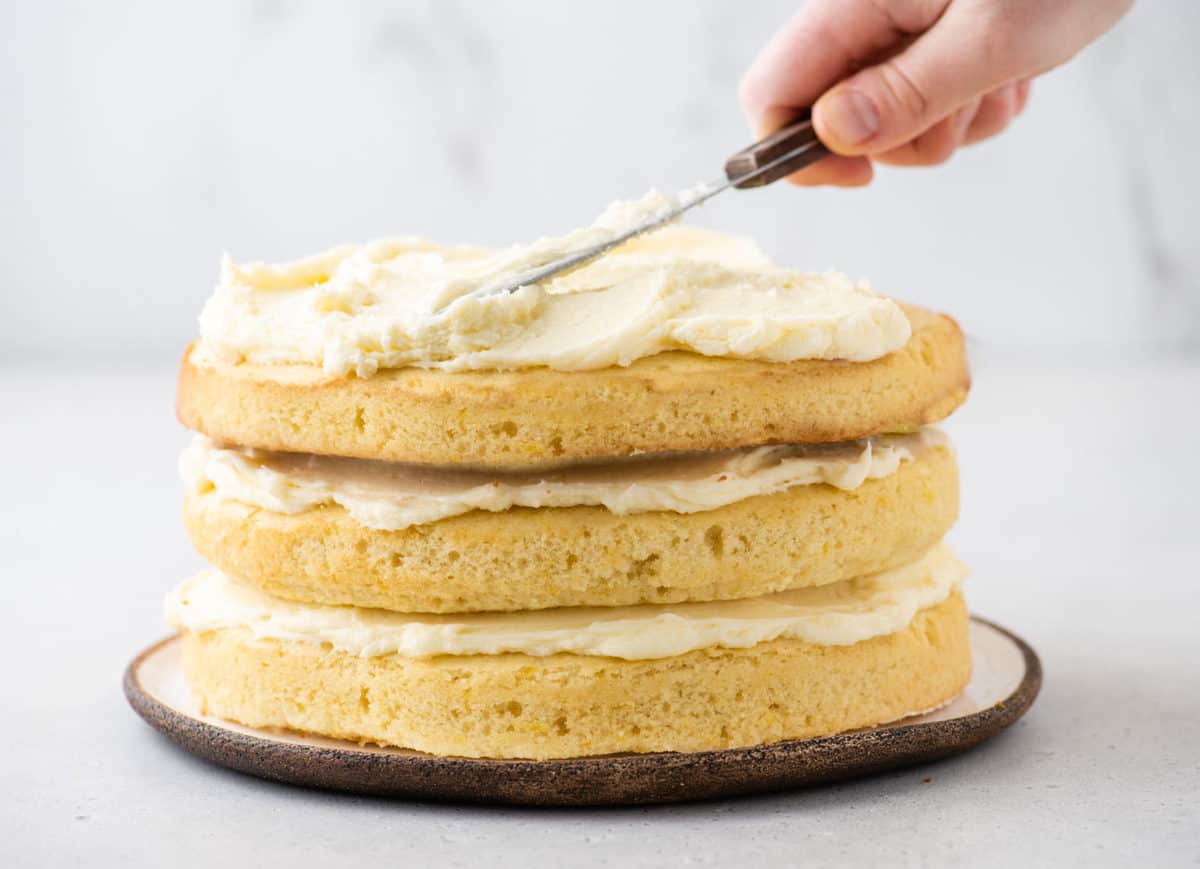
(906, 82)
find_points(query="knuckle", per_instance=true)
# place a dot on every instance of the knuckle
(940, 153)
(1004, 38)
(903, 92)
(937, 145)
(909, 16)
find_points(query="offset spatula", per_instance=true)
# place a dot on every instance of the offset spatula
(778, 155)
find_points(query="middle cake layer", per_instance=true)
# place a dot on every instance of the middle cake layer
(664, 529)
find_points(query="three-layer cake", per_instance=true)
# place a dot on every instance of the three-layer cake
(679, 499)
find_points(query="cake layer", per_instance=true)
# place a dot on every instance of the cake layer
(538, 417)
(838, 614)
(564, 705)
(528, 558)
(405, 302)
(390, 496)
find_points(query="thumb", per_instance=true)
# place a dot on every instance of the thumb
(884, 106)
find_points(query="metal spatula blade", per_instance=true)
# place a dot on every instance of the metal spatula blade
(780, 154)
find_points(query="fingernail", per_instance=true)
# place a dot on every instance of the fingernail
(850, 117)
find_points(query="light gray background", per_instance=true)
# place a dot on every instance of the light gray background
(139, 140)
(143, 139)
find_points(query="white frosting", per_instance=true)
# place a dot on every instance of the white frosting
(360, 308)
(839, 614)
(391, 496)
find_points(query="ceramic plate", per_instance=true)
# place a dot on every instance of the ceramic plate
(1005, 681)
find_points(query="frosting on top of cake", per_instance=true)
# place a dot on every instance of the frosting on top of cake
(841, 613)
(408, 302)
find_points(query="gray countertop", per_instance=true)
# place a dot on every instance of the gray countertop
(1080, 517)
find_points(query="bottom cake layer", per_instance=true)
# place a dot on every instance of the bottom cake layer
(567, 705)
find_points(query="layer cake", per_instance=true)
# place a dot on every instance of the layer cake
(679, 499)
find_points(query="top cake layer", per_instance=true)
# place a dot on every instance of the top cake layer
(682, 340)
(409, 303)
(538, 417)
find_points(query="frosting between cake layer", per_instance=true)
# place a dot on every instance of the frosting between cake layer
(405, 302)
(842, 613)
(391, 496)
